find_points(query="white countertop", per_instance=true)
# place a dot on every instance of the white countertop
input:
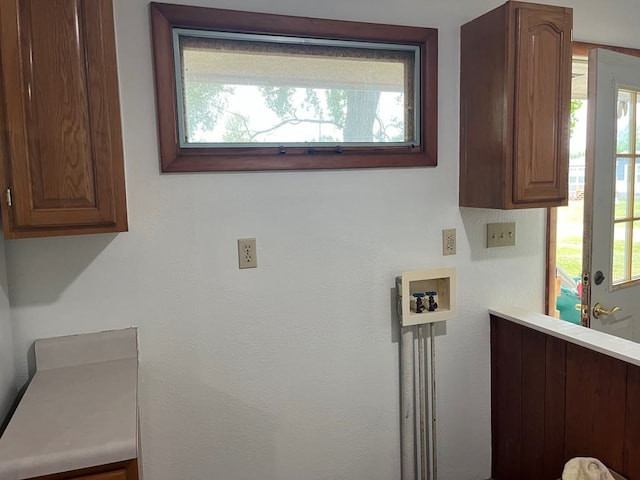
(615, 347)
(75, 413)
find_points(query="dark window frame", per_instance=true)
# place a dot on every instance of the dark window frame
(174, 158)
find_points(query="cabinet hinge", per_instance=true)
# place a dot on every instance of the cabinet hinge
(9, 198)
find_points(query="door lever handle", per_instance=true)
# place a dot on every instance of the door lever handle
(598, 310)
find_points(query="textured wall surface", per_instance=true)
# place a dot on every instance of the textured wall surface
(289, 371)
(7, 363)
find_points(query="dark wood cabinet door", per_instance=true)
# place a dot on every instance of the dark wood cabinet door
(62, 153)
(542, 105)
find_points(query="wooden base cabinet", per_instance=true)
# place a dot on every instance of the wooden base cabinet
(515, 89)
(553, 400)
(116, 471)
(61, 141)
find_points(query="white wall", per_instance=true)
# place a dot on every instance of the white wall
(291, 370)
(7, 363)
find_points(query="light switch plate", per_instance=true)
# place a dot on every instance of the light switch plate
(501, 234)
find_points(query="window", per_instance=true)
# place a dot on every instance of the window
(248, 91)
(626, 223)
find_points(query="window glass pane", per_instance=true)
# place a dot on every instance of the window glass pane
(620, 256)
(622, 188)
(247, 89)
(636, 192)
(637, 124)
(623, 126)
(635, 252)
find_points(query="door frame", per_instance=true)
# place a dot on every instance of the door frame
(581, 49)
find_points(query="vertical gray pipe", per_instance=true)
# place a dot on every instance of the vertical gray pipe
(434, 438)
(407, 399)
(423, 415)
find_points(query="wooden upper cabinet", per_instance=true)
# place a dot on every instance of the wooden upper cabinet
(515, 96)
(63, 169)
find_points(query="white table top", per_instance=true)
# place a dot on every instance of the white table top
(615, 347)
(74, 416)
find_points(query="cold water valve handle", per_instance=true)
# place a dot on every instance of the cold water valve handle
(419, 304)
(433, 305)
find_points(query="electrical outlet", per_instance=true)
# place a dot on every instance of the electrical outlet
(247, 255)
(449, 241)
(501, 234)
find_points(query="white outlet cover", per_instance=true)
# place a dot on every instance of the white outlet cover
(449, 241)
(247, 254)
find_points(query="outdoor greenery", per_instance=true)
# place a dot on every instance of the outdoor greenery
(351, 115)
(573, 119)
(618, 260)
(570, 218)
(205, 104)
(569, 256)
(620, 209)
(569, 241)
(569, 238)
(624, 140)
(625, 116)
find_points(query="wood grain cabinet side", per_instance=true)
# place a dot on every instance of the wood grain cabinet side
(115, 475)
(127, 470)
(515, 89)
(61, 141)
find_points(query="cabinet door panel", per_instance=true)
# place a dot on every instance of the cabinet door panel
(62, 115)
(541, 116)
(57, 111)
